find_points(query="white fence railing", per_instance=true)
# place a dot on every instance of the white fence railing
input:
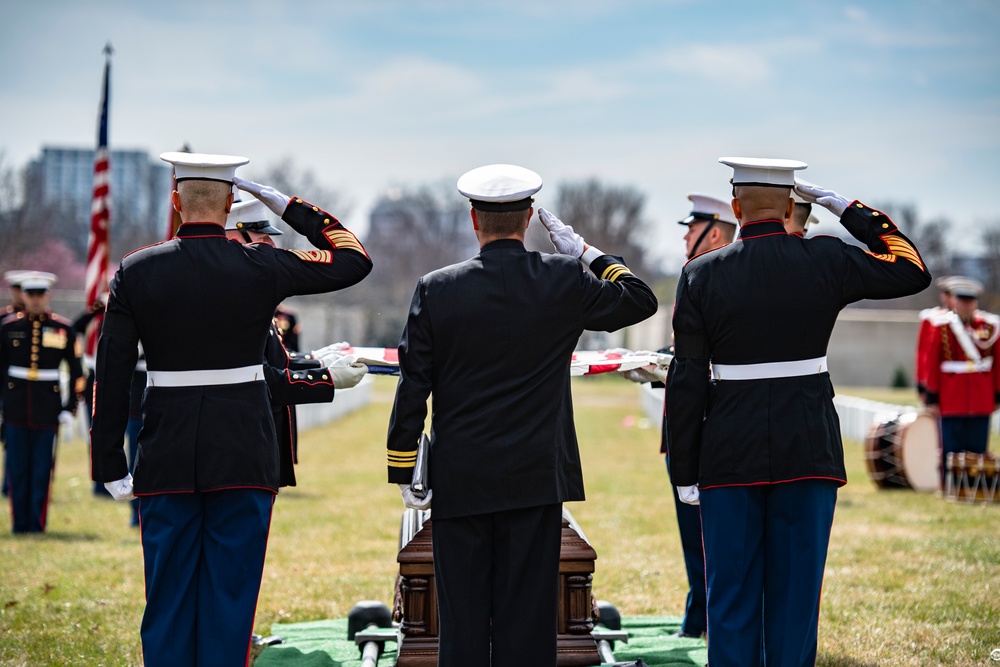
(856, 414)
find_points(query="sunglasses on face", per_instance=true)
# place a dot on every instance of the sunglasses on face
(34, 292)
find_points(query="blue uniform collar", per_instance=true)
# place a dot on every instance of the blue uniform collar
(758, 228)
(200, 230)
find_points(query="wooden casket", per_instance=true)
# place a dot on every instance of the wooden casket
(415, 602)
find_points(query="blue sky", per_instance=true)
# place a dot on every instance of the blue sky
(886, 101)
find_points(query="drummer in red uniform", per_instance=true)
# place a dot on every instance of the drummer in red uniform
(930, 318)
(963, 382)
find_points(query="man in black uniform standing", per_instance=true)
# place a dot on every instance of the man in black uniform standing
(292, 379)
(492, 339)
(207, 467)
(759, 445)
(34, 342)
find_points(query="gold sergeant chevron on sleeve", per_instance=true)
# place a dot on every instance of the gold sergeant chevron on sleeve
(614, 272)
(898, 249)
(402, 459)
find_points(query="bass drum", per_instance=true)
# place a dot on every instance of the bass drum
(903, 452)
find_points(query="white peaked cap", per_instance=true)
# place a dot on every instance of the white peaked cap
(13, 278)
(960, 286)
(506, 186)
(37, 280)
(763, 171)
(251, 215)
(204, 166)
(704, 207)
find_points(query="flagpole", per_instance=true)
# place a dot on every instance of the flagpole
(98, 251)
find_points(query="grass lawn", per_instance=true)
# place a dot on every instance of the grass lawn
(911, 579)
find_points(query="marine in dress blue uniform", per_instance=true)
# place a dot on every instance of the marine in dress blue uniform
(34, 342)
(492, 338)
(760, 442)
(13, 280)
(208, 462)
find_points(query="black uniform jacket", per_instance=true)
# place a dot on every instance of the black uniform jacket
(38, 343)
(492, 339)
(167, 296)
(291, 382)
(772, 297)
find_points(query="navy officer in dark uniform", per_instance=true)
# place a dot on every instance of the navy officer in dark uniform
(759, 443)
(492, 338)
(207, 468)
(34, 342)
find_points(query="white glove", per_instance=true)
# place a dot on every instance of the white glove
(655, 372)
(331, 353)
(828, 199)
(412, 501)
(565, 240)
(122, 489)
(688, 494)
(273, 199)
(347, 372)
(66, 418)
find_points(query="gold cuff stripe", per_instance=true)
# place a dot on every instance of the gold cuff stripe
(322, 256)
(402, 456)
(614, 272)
(400, 465)
(882, 257)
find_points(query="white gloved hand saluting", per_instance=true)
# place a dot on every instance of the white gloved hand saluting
(412, 501)
(122, 489)
(271, 198)
(828, 199)
(565, 240)
(688, 494)
(347, 372)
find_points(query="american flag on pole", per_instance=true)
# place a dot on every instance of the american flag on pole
(100, 215)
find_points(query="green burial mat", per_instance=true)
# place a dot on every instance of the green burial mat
(325, 644)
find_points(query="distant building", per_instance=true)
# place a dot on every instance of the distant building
(63, 181)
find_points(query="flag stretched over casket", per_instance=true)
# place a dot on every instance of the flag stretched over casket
(385, 360)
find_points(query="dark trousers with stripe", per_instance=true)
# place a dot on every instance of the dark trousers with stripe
(30, 459)
(204, 558)
(497, 583)
(765, 551)
(689, 526)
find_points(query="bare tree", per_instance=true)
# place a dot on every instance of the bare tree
(991, 258)
(609, 217)
(289, 178)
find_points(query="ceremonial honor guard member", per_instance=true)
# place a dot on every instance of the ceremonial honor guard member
(711, 224)
(798, 222)
(930, 319)
(13, 280)
(292, 379)
(208, 462)
(34, 342)
(760, 442)
(962, 376)
(492, 339)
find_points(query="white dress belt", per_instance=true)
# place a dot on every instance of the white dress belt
(981, 366)
(204, 378)
(777, 369)
(44, 374)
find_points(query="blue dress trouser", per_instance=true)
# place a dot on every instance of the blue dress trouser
(765, 551)
(30, 459)
(204, 558)
(689, 526)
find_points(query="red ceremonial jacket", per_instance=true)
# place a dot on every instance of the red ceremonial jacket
(962, 375)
